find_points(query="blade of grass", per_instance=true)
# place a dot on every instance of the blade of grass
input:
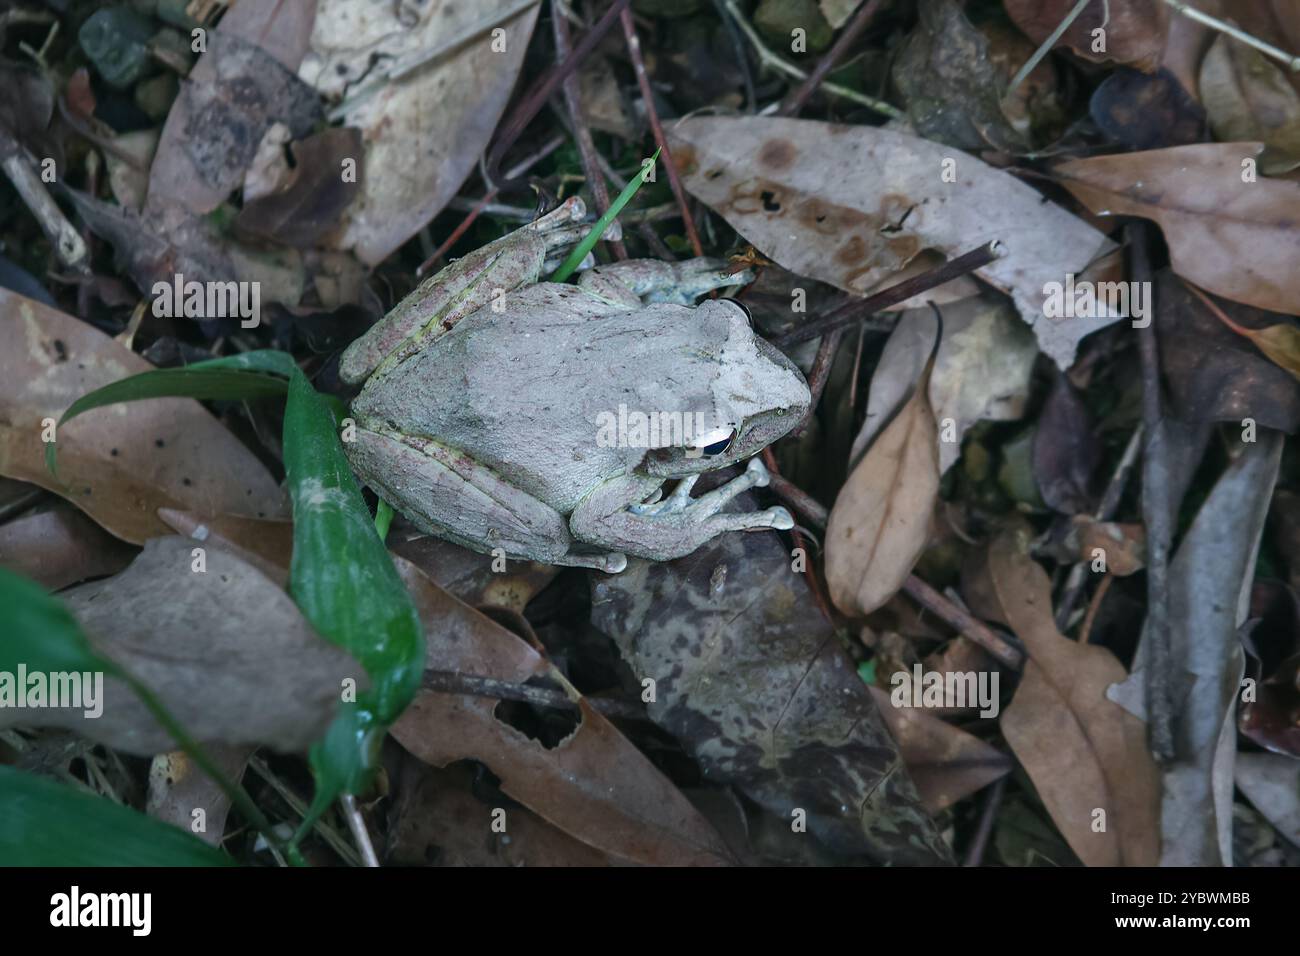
(574, 259)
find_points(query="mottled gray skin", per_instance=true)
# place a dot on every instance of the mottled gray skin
(481, 420)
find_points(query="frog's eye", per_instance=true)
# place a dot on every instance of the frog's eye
(715, 442)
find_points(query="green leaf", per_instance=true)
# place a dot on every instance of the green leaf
(589, 241)
(343, 580)
(43, 823)
(259, 374)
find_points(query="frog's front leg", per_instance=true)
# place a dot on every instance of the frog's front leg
(449, 494)
(615, 515)
(641, 281)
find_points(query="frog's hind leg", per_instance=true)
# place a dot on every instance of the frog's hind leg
(642, 281)
(447, 493)
(617, 515)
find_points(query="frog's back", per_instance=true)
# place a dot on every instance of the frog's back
(525, 391)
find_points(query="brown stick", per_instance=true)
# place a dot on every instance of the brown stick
(976, 630)
(859, 309)
(451, 682)
(581, 132)
(796, 101)
(652, 114)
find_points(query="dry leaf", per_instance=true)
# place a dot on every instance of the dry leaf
(59, 547)
(226, 651)
(881, 519)
(1237, 239)
(1247, 98)
(425, 130)
(750, 677)
(1083, 752)
(1132, 31)
(118, 464)
(852, 205)
(1280, 342)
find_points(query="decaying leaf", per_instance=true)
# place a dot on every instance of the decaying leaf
(427, 128)
(752, 680)
(225, 650)
(593, 784)
(1085, 754)
(1066, 450)
(59, 547)
(1280, 342)
(1213, 374)
(178, 788)
(981, 372)
(118, 464)
(851, 205)
(1248, 98)
(950, 86)
(1209, 589)
(881, 519)
(1147, 110)
(1228, 231)
(1124, 31)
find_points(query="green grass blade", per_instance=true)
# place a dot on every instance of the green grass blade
(589, 241)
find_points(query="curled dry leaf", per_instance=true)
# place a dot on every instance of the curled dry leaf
(881, 519)
(852, 205)
(225, 650)
(118, 464)
(1083, 752)
(751, 678)
(1123, 31)
(427, 128)
(1248, 98)
(1227, 231)
(981, 373)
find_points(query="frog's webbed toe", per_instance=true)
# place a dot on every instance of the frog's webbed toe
(619, 515)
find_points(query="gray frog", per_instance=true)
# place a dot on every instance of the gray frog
(485, 392)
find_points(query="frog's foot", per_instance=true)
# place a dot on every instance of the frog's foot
(675, 525)
(640, 281)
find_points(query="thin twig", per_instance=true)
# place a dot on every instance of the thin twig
(770, 59)
(796, 101)
(1158, 518)
(1105, 511)
(988, 813)
(652, 114)
(963, 622)
(819, 375)
(809, 568)
(451, 682)
(799, 500)
(63, 236)
(1046, 46)
(858, 309)
(578, 122)
(1093, 606)
(1292, 62)
(331, 836)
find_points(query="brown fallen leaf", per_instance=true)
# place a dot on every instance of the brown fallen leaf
(1131, 31)
(315, 193)
(1122, 546)
(593, 784)
(1213, 374)
(59, 547)
(1084, 753)
(753, 681)
(946, 763)
(118, 464)
(178, 788)
(225, 650)
(881, 519)
(852, 205)
(1066, 450)
(1247, 98)
(438, 820)
(426, 128)
(1147, 110)
(1233, 237)
(1280, 342)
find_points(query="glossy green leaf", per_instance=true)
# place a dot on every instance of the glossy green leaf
(43, 823)
(343, 580)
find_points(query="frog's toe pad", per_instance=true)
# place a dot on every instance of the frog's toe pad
(758, 472)
(779, 518)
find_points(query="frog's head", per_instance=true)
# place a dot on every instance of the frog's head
(754, 395)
